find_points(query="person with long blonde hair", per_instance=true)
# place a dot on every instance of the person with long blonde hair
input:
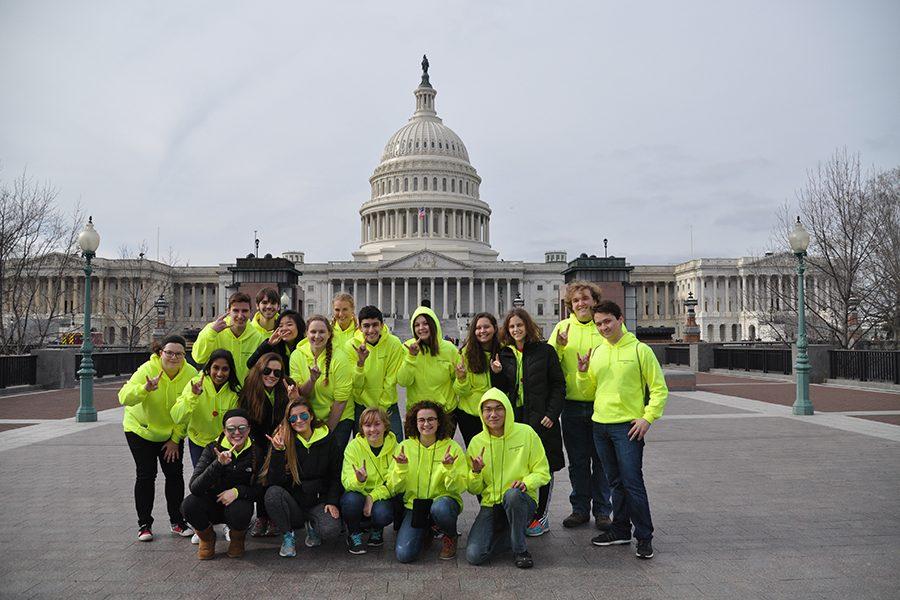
(303, 472)
(343, 320)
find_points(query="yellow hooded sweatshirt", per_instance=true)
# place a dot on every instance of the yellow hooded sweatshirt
(428, 377)
(614, 381)
(518, 455)
(340, 380)
(583, 337)
(257, 326)
(202, 414)
(241, 348)
(470, 389)
(358, 452)
(341, 336)
(375, 383)
(426, 476)
(148, 414)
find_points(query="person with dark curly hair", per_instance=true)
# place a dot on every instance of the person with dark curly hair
(430, 470)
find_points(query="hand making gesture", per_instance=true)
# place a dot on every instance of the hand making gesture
(496, 367)
(292, 391)
(362, 353)
(478, 462)
(219, 324)
(584, 362)
(361, 474)
(461, 371)
(197, 386)
(401, 458)
(562, 336)
(448, 459)
(277, 439)
(223, 457)
(152, 383)
(414, 348)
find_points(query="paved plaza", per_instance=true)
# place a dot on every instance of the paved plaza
(748, 502)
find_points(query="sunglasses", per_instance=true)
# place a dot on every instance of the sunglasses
(275, 372)
(301, 417)
(238, 428)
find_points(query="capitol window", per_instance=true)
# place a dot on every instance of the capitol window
(445, 184)
(415, 183)
(405, 184)
(452, 185)
(424, 183)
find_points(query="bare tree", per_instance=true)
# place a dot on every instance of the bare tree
(141, 282)
(883, 273)
(37, 247)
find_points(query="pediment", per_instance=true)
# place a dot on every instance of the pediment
(425, 260)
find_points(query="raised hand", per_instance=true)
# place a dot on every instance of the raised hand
(496, 367)
(401, 458)
(276, 337)
(223, 457)
(362, 353)
(219, 324)
(152, 383)
(197, 386)
(314, 373)
(478, 461)
(461, 371)
(562, 336)
(584, 361)
(292, 391)
(277, 439)
(361, 474)
(413, 348)
(448, 459)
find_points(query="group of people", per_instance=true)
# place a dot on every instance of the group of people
(298, 422)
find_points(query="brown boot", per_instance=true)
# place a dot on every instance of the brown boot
(448, 551)
(236, 547)
(207, 549)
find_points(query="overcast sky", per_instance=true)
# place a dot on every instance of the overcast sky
(624, 120)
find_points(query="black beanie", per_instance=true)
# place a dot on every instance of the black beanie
(235, 412)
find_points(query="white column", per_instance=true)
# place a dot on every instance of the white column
(433, 296)
(727, 295)
(342, 285)
(393, 297)
(493, 308)
(444, 281)
(406, 297)
(666, 313)
(471, 295)
(487, 230)
(483, 307)
(458, 296)
(508, 294)
(418, 291)
(378, 299)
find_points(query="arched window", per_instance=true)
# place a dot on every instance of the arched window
(406, 184)
(389, 186)
(452, 185)
(425, 183)
(434, 183)
(467, 188)
(415, 183)
(444, 184)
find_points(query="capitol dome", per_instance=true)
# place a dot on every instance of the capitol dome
(424, 192)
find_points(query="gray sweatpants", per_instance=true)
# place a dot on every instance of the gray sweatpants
(288, 515)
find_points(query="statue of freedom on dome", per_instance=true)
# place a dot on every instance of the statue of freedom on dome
(425, 81)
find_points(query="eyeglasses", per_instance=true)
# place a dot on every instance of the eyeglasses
(427, 420)
(496, 411)
(301, 417)
(238, 428)
(275, 372)
(171, 354)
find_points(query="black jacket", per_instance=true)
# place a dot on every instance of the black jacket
(212, 477)
(271, 418)
(320, 472)
(544, 394)
(265, 347)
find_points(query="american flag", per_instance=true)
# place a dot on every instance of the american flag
(422, 213)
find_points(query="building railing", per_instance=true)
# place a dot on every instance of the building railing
(767, 360)
(678, 355)
(115, 363)
(18, 369)
(865, 365)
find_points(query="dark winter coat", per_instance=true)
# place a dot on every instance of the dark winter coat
(211, 477)
(320, 472)
(544, 394)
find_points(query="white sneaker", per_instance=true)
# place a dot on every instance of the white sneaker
(195, 539)
(226, 530)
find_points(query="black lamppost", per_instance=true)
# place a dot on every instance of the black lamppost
(88, 241)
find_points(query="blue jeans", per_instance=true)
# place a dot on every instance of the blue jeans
(488, 538)
(394, 416)
(623, 461)
(444, 512)
(585, 470)
(196, 452)
(352, 504)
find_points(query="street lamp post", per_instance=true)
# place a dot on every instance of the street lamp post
(285, 301)
(88, 241)
(518, 302)
(161, 305)
(799, 239)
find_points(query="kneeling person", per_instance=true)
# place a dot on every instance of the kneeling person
(224, 486)
(507, 467)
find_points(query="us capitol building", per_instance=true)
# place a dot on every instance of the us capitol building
(425, 234)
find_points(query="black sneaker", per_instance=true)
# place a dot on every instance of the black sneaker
(376, 538)
(524, 560)
(355, 544)
(644, 549)
(609, 538)
(575, 519)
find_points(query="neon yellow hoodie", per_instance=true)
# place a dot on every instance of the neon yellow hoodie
(340, 380)
(241, 348)
(257, 326)
(202, 414)
(425, 476)
(516, 456)
(358, 452)
(428, 377)
(375, 383)
(583, 337)
(148, 414)
(470, 389)
(613, 380)
(341, 336)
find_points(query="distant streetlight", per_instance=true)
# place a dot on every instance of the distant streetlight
(88, 241)
(161, 305)
(517, 301)
(799, 239)
(285, 300)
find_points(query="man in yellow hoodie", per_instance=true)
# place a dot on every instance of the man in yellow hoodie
(629, 391)
(507, 467)
(266, 311)
(230, 332)
(571, 337)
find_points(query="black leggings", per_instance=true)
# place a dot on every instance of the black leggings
(469, 425)
(146, 454)
(544, 493)
(202, 511)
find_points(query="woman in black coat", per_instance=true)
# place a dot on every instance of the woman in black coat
(533, 380)
(289, 331)
(224, 486)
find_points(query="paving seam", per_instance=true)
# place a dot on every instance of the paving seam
(51, 430)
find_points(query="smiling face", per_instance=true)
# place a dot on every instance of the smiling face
(239, 313)
(317, 334)
(516, 329)
(343, 313)
(427, 422)
(219, 372)
(172, 357)
(267, 308)
(609, 326)
(289, 329)
(274, 375)
(300, 419)
(484, 331)
(371, 329)
(237, 430)
(373, 430)
(494, 414)
(421, 328)
(582, 303)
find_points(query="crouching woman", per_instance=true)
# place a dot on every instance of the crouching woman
(224, 486)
